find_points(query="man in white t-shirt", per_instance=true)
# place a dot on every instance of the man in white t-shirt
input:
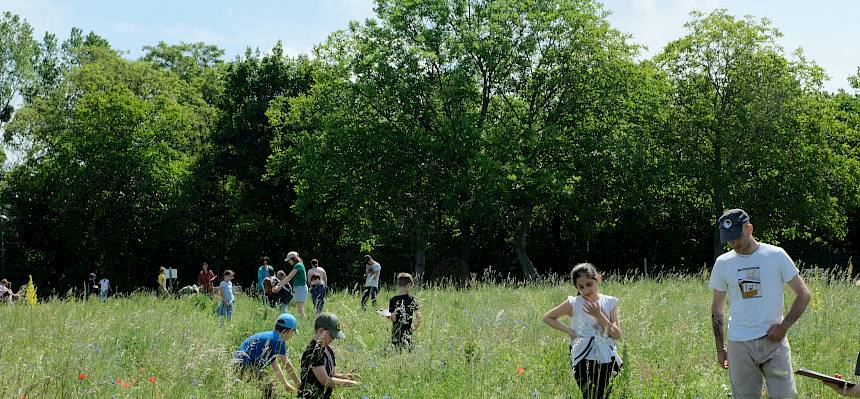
(753, 275)
(372, 269)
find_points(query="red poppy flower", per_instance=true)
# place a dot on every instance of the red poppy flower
(82, 376)
(151, 379)
(520, 370)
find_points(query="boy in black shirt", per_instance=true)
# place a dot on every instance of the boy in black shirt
(404, 312)
(318, 372)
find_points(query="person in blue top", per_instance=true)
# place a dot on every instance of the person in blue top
(262, 272)
(268, 348)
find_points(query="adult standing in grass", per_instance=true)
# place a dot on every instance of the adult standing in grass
(753, 276)
(104, 288)
(162, 281)
(6, 293)
(92, 285)
(319, 285)
(205, 279)
(372, 269)
(264, 349)
(262, 273)
(593, 330)
(299, 280)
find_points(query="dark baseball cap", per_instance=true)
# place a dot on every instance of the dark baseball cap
(330, 323)
(732, 223)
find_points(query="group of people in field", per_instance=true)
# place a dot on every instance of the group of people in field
(752, 276)
(317, 375)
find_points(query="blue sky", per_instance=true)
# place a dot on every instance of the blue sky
(827, 31)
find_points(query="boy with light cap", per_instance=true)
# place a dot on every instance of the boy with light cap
(267, 348)
(752, 276)
(318, 375)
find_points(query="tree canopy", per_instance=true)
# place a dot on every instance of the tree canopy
(446, 137)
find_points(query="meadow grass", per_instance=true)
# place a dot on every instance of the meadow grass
(471, 343)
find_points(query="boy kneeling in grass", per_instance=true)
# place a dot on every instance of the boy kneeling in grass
(267, 348)
(319, 376)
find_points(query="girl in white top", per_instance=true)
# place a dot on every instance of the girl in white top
(593, 330)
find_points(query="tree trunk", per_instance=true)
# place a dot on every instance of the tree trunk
(420, 262)
(717, 196)
(529, 271)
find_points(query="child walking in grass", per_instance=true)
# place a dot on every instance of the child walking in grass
(404, 313)
(225, 306)
(264, 349)
(593, 330)
(282, 292)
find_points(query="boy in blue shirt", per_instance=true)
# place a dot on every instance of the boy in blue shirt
(267, 348)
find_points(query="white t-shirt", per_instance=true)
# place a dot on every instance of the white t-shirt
(601, 348)
(104, 285)
(373, 281)
(317, 271)
(583, 324)
(755, 285)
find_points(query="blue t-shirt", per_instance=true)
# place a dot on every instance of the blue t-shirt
(227, 291)
(262, 273)
(260, 349)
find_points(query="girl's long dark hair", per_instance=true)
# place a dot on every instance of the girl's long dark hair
(584, 270)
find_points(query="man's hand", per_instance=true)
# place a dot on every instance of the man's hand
(776, 332)
(723, 358)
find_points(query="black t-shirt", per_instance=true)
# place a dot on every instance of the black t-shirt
(92, 285)
(315, 355)
(403, 307)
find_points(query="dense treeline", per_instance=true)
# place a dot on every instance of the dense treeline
(445, 136)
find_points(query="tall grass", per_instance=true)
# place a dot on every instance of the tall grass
(471, 343)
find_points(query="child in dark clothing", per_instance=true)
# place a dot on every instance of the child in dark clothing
(318, 291)
(404, 313)
(318, 373)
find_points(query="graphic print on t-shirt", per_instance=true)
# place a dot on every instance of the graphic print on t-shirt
(749, 281)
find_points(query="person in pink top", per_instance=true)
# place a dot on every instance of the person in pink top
(205, 279)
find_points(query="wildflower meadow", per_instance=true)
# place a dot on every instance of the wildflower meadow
(482, 340)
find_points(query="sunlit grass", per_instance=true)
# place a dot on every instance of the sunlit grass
(470, 345)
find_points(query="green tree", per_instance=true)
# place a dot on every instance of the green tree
(18, 54)
(744, 130)
(107, 155)
(232, 211)
(485, 115)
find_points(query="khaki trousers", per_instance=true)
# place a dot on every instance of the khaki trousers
(749, 361)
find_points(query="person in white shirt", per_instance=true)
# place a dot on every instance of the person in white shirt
(372, 269)
(318, 280)
(752, 276)
(104, 288)
(593, 330)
